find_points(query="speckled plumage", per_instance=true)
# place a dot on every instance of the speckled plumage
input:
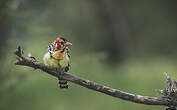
(58, 58)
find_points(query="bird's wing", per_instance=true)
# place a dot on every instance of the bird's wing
(68, 55)
(68, 52)
(51, 49)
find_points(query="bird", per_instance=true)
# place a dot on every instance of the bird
(58, 57)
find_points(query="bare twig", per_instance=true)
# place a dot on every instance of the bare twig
(170, 93)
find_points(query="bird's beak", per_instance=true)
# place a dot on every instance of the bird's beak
(68, 43)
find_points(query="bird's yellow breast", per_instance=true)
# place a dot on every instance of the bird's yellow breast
(64, 62)
(59, 60)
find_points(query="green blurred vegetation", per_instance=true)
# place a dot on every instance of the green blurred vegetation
(126, 45)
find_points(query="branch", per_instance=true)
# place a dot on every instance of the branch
(170, 93)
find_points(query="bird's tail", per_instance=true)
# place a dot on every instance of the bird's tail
(63, 83)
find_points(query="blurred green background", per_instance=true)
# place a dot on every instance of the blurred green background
(126, 45)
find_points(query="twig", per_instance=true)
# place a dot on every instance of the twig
(167, 100)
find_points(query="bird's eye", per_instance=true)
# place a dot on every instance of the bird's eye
(62, 43)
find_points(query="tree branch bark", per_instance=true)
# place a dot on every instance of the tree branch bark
(169, 98)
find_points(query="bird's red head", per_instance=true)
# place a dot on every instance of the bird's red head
(61, 43)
